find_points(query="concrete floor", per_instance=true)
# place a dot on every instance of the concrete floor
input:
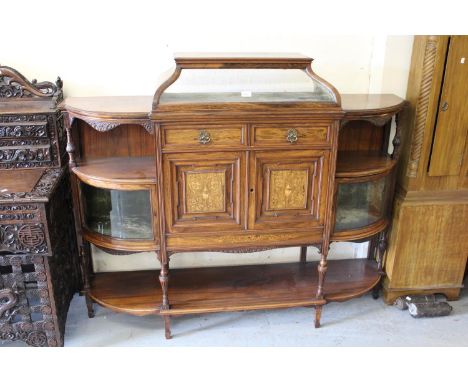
(359, 322)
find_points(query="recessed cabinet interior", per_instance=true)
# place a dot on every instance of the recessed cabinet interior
(235, 171)
(121, 214)
(361, 203)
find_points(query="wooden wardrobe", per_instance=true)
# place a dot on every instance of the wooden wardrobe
(429, 240)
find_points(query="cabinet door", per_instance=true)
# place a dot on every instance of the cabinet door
(288, 189)
(452, 119)
(204, 192)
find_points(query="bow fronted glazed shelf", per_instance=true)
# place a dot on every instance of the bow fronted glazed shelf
(212, 171)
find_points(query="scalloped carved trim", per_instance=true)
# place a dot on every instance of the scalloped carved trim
(14, 85)
(377, 120)
(103, 125)
(249, 250)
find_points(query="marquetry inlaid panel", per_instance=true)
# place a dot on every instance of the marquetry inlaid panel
(288, 189)
(205, 191)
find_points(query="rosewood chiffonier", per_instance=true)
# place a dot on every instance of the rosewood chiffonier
(232, 172)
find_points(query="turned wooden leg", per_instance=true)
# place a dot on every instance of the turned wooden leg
(322, 270)
(318, 315)
(164, 280)
(376, 291)
(381, 248)
(303, 257)
(372, 247)
(167, 327)
(86, 269)
(89, 305)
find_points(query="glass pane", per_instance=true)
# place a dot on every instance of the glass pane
(360, 204)
(246, 85)
(116, 213)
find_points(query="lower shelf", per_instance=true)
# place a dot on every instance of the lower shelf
(234, 288)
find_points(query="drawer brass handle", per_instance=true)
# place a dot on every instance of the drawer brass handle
(204, 137)
(291, 136)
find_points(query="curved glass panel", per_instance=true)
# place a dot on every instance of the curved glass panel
(117, 213)
(246, 85)
(361, 204)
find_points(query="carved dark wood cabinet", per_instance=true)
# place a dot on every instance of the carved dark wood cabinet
(38, 261)
(232, 172)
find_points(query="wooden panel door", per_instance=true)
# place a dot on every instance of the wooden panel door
(452, 120)
(204, 192)
(288, 189)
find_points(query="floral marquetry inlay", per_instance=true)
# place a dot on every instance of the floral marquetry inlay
(288, 189)
(205, 191)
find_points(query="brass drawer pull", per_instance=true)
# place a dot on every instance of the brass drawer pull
(204, 137)
(291, 136)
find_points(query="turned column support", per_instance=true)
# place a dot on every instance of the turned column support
(303, 256)
(164, 280)
(70, 147)
(85, 255)
(381, 249)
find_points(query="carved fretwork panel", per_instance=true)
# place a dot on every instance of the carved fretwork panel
(14, 85)
(36, 290)
(205, 193)
(27, 314)
(23, 238)
(288, 189)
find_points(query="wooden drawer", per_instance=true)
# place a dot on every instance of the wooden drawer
(282, 134)
(31, 140)
(203, 136)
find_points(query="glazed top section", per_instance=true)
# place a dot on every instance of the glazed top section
(254, 94)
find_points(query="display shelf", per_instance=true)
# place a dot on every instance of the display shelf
(110, 107)
(358, 105)
(361, 233)
(233, 288)
(352, 164)
(118, 170)
(131, 107)
(122, 246)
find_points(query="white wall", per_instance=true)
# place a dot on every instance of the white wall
(126, 48)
